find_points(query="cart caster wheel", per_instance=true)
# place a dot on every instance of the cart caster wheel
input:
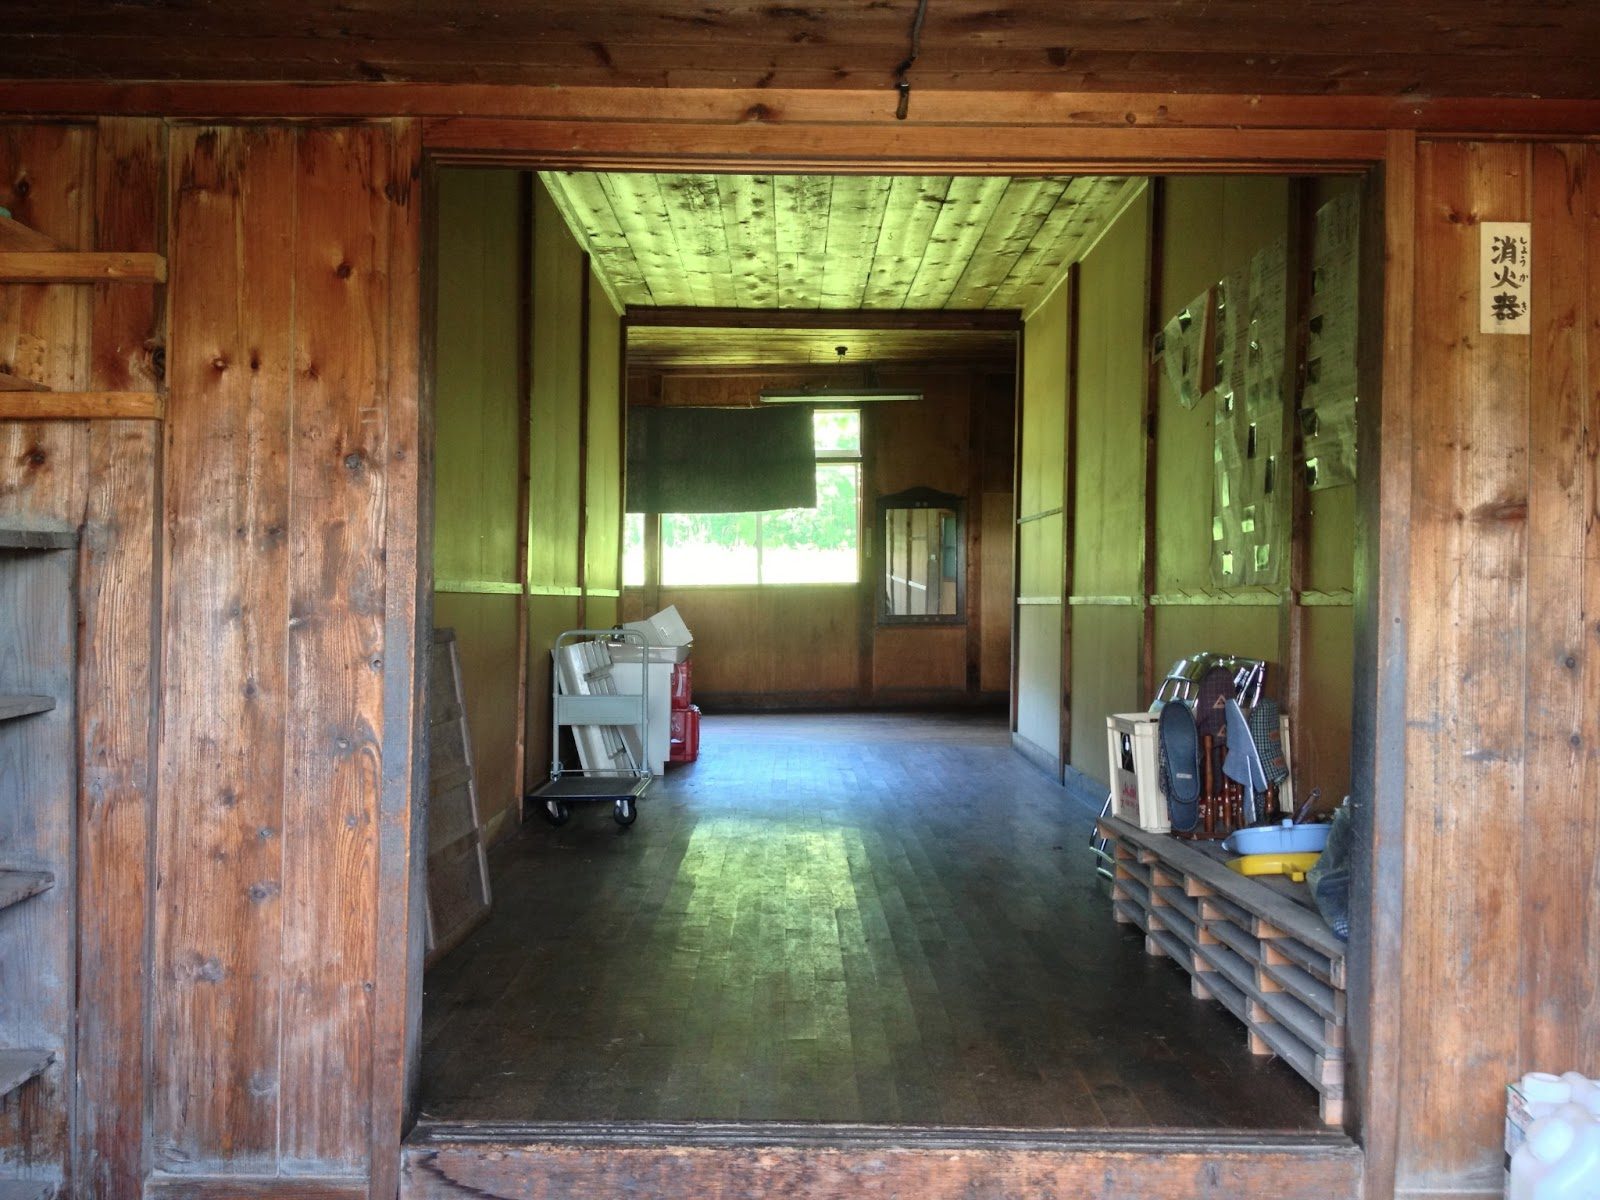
(626, 812)
(556, 812)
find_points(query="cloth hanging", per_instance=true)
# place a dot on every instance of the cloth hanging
(716, 460)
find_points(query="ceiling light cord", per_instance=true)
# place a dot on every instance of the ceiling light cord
(901, 83)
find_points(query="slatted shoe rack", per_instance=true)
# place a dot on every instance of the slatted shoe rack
(38, 805)
(1266, 957)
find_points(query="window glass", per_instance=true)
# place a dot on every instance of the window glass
(788, 546)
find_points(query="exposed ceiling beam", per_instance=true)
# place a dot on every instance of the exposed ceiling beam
(845, 320)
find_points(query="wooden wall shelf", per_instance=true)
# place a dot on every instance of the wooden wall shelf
(35, 535)
(24, 706)
(81, 266)
(17, 886)
(17, 1067)
(1271, 962)
(74, 406)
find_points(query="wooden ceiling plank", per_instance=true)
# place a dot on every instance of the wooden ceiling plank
(915, 202)
(855, 219)
(1018, 215)
(581, 198)
(1049, 254)
(694, 206)
(802, 234)
(642, 215)
(961, 224)
(681, 348)
(750, 219)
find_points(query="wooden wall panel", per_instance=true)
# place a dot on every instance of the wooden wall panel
(286, 311)
(219, 835)
(603, 474)
(479, 408)
(119, 586)
(333, 747)
(1109, 487)
(1468, 662)
(1501, 815)
(477, 377)
(769, 646)
(1041, 487)
(558, 318)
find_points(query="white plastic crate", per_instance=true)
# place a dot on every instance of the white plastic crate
(1135, 771)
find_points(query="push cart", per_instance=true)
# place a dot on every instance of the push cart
(611, 729)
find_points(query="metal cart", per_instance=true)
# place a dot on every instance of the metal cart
(612, 728)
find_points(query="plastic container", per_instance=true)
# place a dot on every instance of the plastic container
(1537, 1094)
(685, 744)
(1134, 767)
(1287, 838)
(1560, 1159)
(683, 684)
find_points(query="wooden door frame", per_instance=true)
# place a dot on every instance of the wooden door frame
(1387, 161)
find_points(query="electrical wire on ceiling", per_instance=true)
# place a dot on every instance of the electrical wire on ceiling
(901, 83)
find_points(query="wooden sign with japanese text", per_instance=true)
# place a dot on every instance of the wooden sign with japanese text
(1505, 275)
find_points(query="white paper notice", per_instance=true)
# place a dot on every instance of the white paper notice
(1505, 277)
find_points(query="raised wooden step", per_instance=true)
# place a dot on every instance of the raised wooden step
(543, 1162)
(24, 706)
(17, 1067)
(17, 886)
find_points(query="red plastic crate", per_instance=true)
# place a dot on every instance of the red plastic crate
(685, 744)
(683, 684)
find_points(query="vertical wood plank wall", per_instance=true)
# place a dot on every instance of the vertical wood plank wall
(820, 645)
(478, 524)
(1210, 225)
(1502, 800)
(94, 185)
(242, 546)
(490, 377)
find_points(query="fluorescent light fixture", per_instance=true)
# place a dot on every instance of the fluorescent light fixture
(836, 395)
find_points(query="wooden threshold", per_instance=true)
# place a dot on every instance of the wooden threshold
(668, 1159)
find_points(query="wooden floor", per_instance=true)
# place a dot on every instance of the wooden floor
(862, 918)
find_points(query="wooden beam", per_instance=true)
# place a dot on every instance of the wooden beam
(14, 235)
(1069, 511)
(843, 320)
(1152, 406)
(648, 144)
(829, 1162)
(16, 383)
(71, 406)
(81, 266)
(1062, 111)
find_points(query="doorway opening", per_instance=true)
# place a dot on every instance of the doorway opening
(871, 899)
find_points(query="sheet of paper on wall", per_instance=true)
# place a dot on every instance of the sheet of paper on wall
(1230, 336)
(1183, 348)
(1265, 318)
(1328, 399)
(1505, 277)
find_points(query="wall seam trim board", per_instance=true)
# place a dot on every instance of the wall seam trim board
(477, 586)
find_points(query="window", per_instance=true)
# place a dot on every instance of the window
(787, 546)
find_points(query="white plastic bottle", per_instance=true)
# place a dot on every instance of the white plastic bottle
(1561, 1158)
(1584, 1091)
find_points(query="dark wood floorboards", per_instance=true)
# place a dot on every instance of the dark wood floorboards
(870, 917)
